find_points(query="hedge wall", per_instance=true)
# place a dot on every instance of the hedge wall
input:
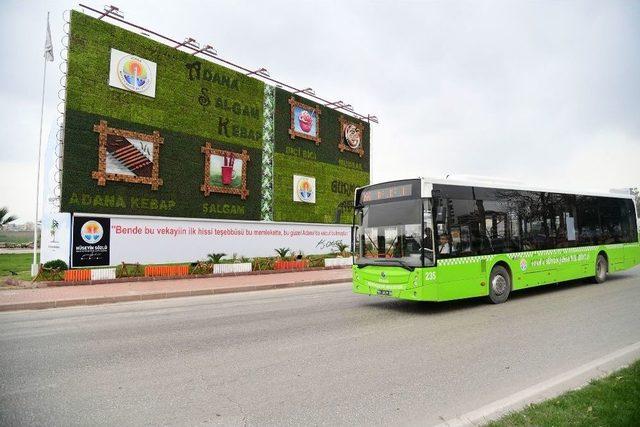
(327, 151)
(337, 173)
(334, 190)
(176, 105)
(189, 111)
(181, 169)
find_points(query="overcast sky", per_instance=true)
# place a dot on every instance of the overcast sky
(545, 92)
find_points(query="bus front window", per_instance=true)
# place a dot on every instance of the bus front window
(393, 233)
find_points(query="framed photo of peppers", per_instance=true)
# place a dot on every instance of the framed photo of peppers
(224, 172)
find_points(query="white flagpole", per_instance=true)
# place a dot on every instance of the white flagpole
(35, 266)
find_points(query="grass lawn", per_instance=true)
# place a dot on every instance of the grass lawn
(610, 401)
(20, 263)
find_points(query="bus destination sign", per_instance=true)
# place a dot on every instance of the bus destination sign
(394, 192)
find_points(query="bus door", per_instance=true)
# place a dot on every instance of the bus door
(457, 228)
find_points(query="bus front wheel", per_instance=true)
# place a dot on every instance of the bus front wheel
(499, 285)
(601, 269)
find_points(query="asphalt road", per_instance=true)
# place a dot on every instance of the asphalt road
(318, 355)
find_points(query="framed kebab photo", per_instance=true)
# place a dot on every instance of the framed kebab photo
(305, 121)
(127, 156)
(224, 172)
(351, 136)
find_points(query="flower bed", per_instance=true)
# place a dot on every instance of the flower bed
(166, 270)
(291, 265)
(338, 262)
(77, 275)
(103, 273)
(237, 265)
(243, 267)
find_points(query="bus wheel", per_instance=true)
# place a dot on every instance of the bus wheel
(499, 285)
(601, 269)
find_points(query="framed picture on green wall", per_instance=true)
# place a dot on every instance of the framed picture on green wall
(127, 156)
(225, 172)
(305, 121)
(304, 189)
(351, 136)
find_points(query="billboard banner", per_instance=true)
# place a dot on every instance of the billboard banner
(163, 240)
(56, 227)
(130, 72)
(91, 242)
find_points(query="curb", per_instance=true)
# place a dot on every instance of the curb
(553, 387)
(39, 305)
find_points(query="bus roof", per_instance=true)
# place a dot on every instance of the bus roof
(428, 182)
(427, 186)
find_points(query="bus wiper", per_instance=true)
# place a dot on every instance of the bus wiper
(397, 261)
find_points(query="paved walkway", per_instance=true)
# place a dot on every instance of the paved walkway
(64, 296)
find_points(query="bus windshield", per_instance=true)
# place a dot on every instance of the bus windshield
(392, 234)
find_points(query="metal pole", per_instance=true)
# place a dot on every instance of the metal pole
(35, 266)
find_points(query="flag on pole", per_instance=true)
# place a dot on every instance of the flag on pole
(48, 46)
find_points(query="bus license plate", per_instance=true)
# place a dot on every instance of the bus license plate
(384, 292)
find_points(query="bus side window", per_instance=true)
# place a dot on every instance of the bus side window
(458, 233)
(589, 228)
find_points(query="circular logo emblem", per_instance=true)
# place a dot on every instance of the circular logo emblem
(352, 135)
(523, 264)
(305, 190)
(133, 73)
(91, 232)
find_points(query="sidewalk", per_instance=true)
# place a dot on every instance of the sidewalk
(51, 297)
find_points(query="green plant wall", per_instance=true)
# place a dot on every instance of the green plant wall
(337, 173)
(217, 105)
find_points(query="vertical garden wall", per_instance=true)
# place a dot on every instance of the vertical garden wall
(151, 130)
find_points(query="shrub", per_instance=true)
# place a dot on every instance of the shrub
(316, 260)
(201, 267)
(259, 264)
(340, 247)
(56, 263)
(129, 270)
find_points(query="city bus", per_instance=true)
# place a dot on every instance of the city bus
(439, 240)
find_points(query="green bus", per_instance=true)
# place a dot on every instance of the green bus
(430, 240)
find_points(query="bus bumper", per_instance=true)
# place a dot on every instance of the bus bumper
(412, 287)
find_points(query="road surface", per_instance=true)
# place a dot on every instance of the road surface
(319, 355)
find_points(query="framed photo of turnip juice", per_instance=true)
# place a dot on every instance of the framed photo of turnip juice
(224, 171)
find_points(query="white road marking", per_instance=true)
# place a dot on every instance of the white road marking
(533, 393)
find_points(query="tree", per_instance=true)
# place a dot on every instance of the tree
(215, 257)
(5, 218)
(282, 252)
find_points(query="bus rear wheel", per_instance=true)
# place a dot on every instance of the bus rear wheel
(602, 266)
(499, 285)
